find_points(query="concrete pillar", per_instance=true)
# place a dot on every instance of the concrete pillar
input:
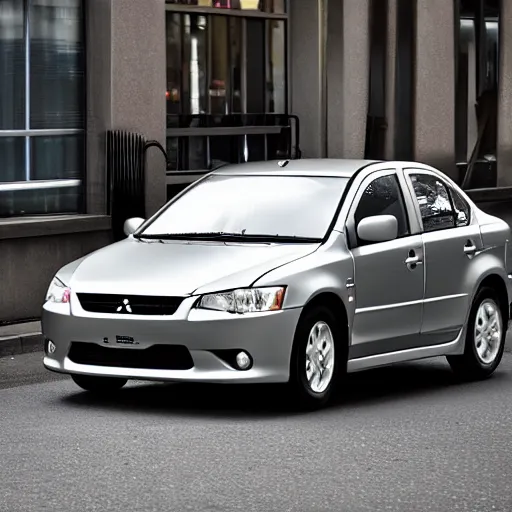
(139, 81)
(348, 48)
(434, 85)
(307, 73)
(125, 88)
(98, 20)
(504, 143)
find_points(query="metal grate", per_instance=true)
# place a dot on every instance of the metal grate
(125, 178)
(129, 304)
(156, 357)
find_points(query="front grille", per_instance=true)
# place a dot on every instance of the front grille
(156, 357)
(129, 304)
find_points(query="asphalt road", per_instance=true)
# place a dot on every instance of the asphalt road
(408, 438)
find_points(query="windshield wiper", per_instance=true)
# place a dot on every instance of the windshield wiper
(228, 237)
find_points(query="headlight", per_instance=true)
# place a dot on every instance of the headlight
(58, 292)
(244, 300)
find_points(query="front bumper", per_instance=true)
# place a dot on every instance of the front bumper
(267, 337)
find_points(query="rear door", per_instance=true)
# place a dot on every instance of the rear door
(388, 276)
(451, 238)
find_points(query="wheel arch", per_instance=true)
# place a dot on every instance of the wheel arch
(496, 282)
(335, 304)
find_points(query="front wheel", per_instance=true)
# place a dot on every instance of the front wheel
(485, 338)
(317, 358)
(98, 384)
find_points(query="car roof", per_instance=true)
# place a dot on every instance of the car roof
(331, 167)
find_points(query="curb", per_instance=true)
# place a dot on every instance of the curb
(23, 344)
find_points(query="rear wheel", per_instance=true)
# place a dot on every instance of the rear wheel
(317, 358)
(98, 384)
(485, 338)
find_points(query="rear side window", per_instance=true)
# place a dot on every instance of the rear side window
(383, 197)
(461, 207)
(434, 202)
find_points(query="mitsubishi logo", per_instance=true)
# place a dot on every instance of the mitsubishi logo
(124, 307)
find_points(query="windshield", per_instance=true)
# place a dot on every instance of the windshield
(298, 207)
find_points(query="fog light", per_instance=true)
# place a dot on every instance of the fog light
(51, 347)
(243, 360)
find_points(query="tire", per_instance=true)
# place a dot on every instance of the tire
(473, 365)
(304, 394)
(98, 384)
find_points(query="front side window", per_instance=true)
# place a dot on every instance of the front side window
(383, 197)
(244, 205)
(434, 202)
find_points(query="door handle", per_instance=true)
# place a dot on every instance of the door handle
(413, 260)
(470, 248)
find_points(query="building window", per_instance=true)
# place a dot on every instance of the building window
(477, 93)
(226, 82)
(41, 107)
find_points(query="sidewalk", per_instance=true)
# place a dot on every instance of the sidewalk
(20, 339)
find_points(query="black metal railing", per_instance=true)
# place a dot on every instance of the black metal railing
(221, 138)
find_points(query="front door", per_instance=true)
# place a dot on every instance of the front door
(388, 276)
(452, 240)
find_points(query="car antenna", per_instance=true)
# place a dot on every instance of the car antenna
(283, 163)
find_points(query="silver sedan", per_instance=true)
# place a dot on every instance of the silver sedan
(288, 272)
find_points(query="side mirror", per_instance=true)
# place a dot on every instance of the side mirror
(131, 225)
(379, 228)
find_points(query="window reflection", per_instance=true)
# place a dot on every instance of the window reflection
(52, 98)
(172, 150)
(434, 202)
(220, 65)
(293, 206)
(12, 159)
(57, 157)
(206, 61)
(196, 153)
(56, 70)
(235, 50)
(174, 67)
(276, 67)
(194, 65)
(30, 202)
(12, 65)
(254, 148)
(477, 93)
(225, 71)
(270, 6)
(255, 66)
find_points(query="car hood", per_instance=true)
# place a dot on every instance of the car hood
(179, 268)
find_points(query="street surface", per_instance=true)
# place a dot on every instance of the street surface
(408, 438)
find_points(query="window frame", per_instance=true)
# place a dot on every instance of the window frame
(351, 228)
(27, 133)
(243, 13)
(413, 171)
